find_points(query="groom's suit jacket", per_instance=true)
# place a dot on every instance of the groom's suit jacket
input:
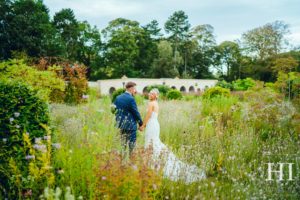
(127, 114)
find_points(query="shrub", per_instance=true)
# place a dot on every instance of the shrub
(174, 94)
(45, 82)
(94, 93)
(21, 111)
(288, 84)
(243, 84)
(139, 99)
(135, 180)
(117, 93)
(190, 97)
(224, 84)
(77, 84)
(215, 92)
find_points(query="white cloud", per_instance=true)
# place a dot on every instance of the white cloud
(294, 37)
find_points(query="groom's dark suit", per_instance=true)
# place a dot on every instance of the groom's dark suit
(127, 117)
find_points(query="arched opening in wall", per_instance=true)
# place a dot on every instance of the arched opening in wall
(173, 87)
(192, 89)
(199, 90)
(111, 90)
(182, 89)
(145, 91)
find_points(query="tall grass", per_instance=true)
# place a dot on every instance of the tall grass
(223, 136)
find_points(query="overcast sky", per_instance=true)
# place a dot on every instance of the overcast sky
(230, 18)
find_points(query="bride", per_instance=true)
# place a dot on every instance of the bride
(173, 168)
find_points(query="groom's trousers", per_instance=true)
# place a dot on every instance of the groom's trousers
(128, 139)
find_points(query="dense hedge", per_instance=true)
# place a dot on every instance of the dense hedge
(21, 111)
(174, 94)
(216, 91)
(238, 85)
(47, 83)
(243, 84)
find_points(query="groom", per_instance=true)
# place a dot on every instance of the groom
(127, 117)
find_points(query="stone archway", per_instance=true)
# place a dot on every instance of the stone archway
(111, 90)
(173, 87)
(182, 89)
(191, 89)
(145, 90)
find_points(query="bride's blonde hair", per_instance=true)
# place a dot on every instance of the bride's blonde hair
(155, 91)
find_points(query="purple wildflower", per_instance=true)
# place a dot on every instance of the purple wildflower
(56, 145)
(40, 147)
(47, 137)
(29, 157)
(85, 96)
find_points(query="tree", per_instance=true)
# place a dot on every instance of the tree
(26, 27)
(122, 48)
(285, 64)
(230, 56)
(68, 27)
(178, 27)
(204, 51)
(116, 25)
(153, 29)
(90, 44)
(265, 41)
(129, 49)
(163, 65)
(5, 17)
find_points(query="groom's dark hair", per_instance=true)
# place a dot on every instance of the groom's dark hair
(130, 85)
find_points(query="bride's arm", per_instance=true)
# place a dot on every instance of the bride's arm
(148, 115)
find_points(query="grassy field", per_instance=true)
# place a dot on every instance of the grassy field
(232, 138)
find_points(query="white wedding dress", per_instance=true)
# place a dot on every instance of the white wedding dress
(173, 168)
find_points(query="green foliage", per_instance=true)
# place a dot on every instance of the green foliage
(228, 138)
(190, 97)
(178, 26)
(200, 50)
(230, 58)
(224, 84)
(77, 84)
(135, 180)
(243, 84)
(21, 111)
(174, 95)
(139, 99)
(163, 65)
(266, 40)
(26, 27)
(215, 92)
(129, 49)
(45, 82)
(94, 93)
(288, 84)
(117, 93)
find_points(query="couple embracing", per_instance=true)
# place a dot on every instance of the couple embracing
(127, 118)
